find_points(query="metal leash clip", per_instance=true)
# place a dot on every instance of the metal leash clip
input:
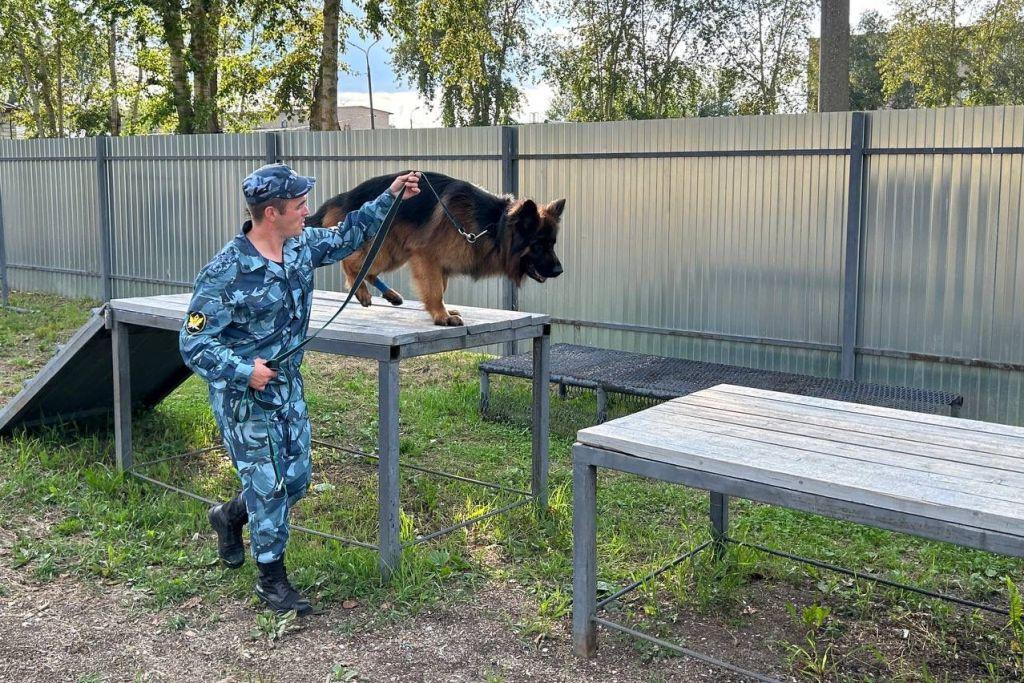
(471, 237)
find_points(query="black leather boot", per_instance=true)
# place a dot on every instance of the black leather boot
(275, 590)
(227, 519)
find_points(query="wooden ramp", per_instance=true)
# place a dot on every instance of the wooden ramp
(77, 384)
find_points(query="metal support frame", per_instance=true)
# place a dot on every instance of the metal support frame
(390, 545)
(719, 521)
(602, 404)
(585, 619)
(485, 392)
(851, 267)
(4, 286)
(540, 423)
(103, 216)
(387, 468)
(510, 185)
(273, 142)
(121, 349)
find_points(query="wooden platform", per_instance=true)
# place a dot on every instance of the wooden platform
(947, 469)
(368, 332)
(77, 383)
(938, 477)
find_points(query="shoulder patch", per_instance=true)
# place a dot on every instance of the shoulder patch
(195, 323)
(219, 264)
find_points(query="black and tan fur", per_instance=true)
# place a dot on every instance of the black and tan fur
(520, 238)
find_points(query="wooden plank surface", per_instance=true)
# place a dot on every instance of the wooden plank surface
(380, 324)
(919, 464)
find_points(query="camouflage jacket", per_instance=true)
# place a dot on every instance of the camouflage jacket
(246, 306)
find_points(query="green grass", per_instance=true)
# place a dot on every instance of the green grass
(73, 514)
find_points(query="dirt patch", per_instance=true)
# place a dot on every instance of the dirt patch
(69, 630)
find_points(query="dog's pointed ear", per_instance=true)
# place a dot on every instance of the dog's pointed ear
(527, 215)
(555, 208)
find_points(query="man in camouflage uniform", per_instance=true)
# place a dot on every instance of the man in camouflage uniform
(252, 303)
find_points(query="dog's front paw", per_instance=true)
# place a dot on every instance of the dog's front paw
(449, 321)
(452, 311)
(364, 297)
(393, 297)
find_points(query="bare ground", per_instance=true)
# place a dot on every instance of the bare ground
(67, 629)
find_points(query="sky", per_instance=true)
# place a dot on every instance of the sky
(393, 93)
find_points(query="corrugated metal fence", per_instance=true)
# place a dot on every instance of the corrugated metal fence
(883, 246)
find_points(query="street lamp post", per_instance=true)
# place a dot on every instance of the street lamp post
(369, 80)
(411, 113)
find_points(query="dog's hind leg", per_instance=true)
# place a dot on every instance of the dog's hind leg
(430, 280)
(351, 266)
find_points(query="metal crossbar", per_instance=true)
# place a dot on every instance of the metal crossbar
(471, 520)
(806, 560)
(657, 572)
(449, 475)
(685, 651)
(210, 501)
(526, 496)
(179, 456)
(869, 577)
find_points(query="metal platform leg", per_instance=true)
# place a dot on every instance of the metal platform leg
(387, 468)
(541, 395)
(584, 558)
(122, 396)
(719, 522)
(602, 405)
(485, 392)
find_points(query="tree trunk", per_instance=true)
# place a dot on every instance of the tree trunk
(834, 56)
(204, 43)
(115, 110)
(323, 113)
(181, 94)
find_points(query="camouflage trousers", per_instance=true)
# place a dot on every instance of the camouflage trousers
(269, 491)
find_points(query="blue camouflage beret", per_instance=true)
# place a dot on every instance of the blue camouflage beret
(275, 181)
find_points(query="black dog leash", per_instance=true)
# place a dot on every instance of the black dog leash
(471, 237)
(243, 409)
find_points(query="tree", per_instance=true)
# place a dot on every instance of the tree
(947, 60)
(834, 48)
(323, 114)
(623, 59)
(868, 44)
(191, 35)
(52, 57)
(270, 51)
(465, 53)
(767, 41)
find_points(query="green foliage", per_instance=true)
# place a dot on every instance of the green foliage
(627, 60)
(671, 58)
(127, 67)
(953, 53)
(464, 53)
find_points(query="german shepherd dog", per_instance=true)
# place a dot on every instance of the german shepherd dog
(519, 242)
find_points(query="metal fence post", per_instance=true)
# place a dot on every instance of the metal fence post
(510, 185)
(4, 287)
(851, 275)
(103, 213)
(273, 148)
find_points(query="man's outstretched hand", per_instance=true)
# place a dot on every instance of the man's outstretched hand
(410, 181)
